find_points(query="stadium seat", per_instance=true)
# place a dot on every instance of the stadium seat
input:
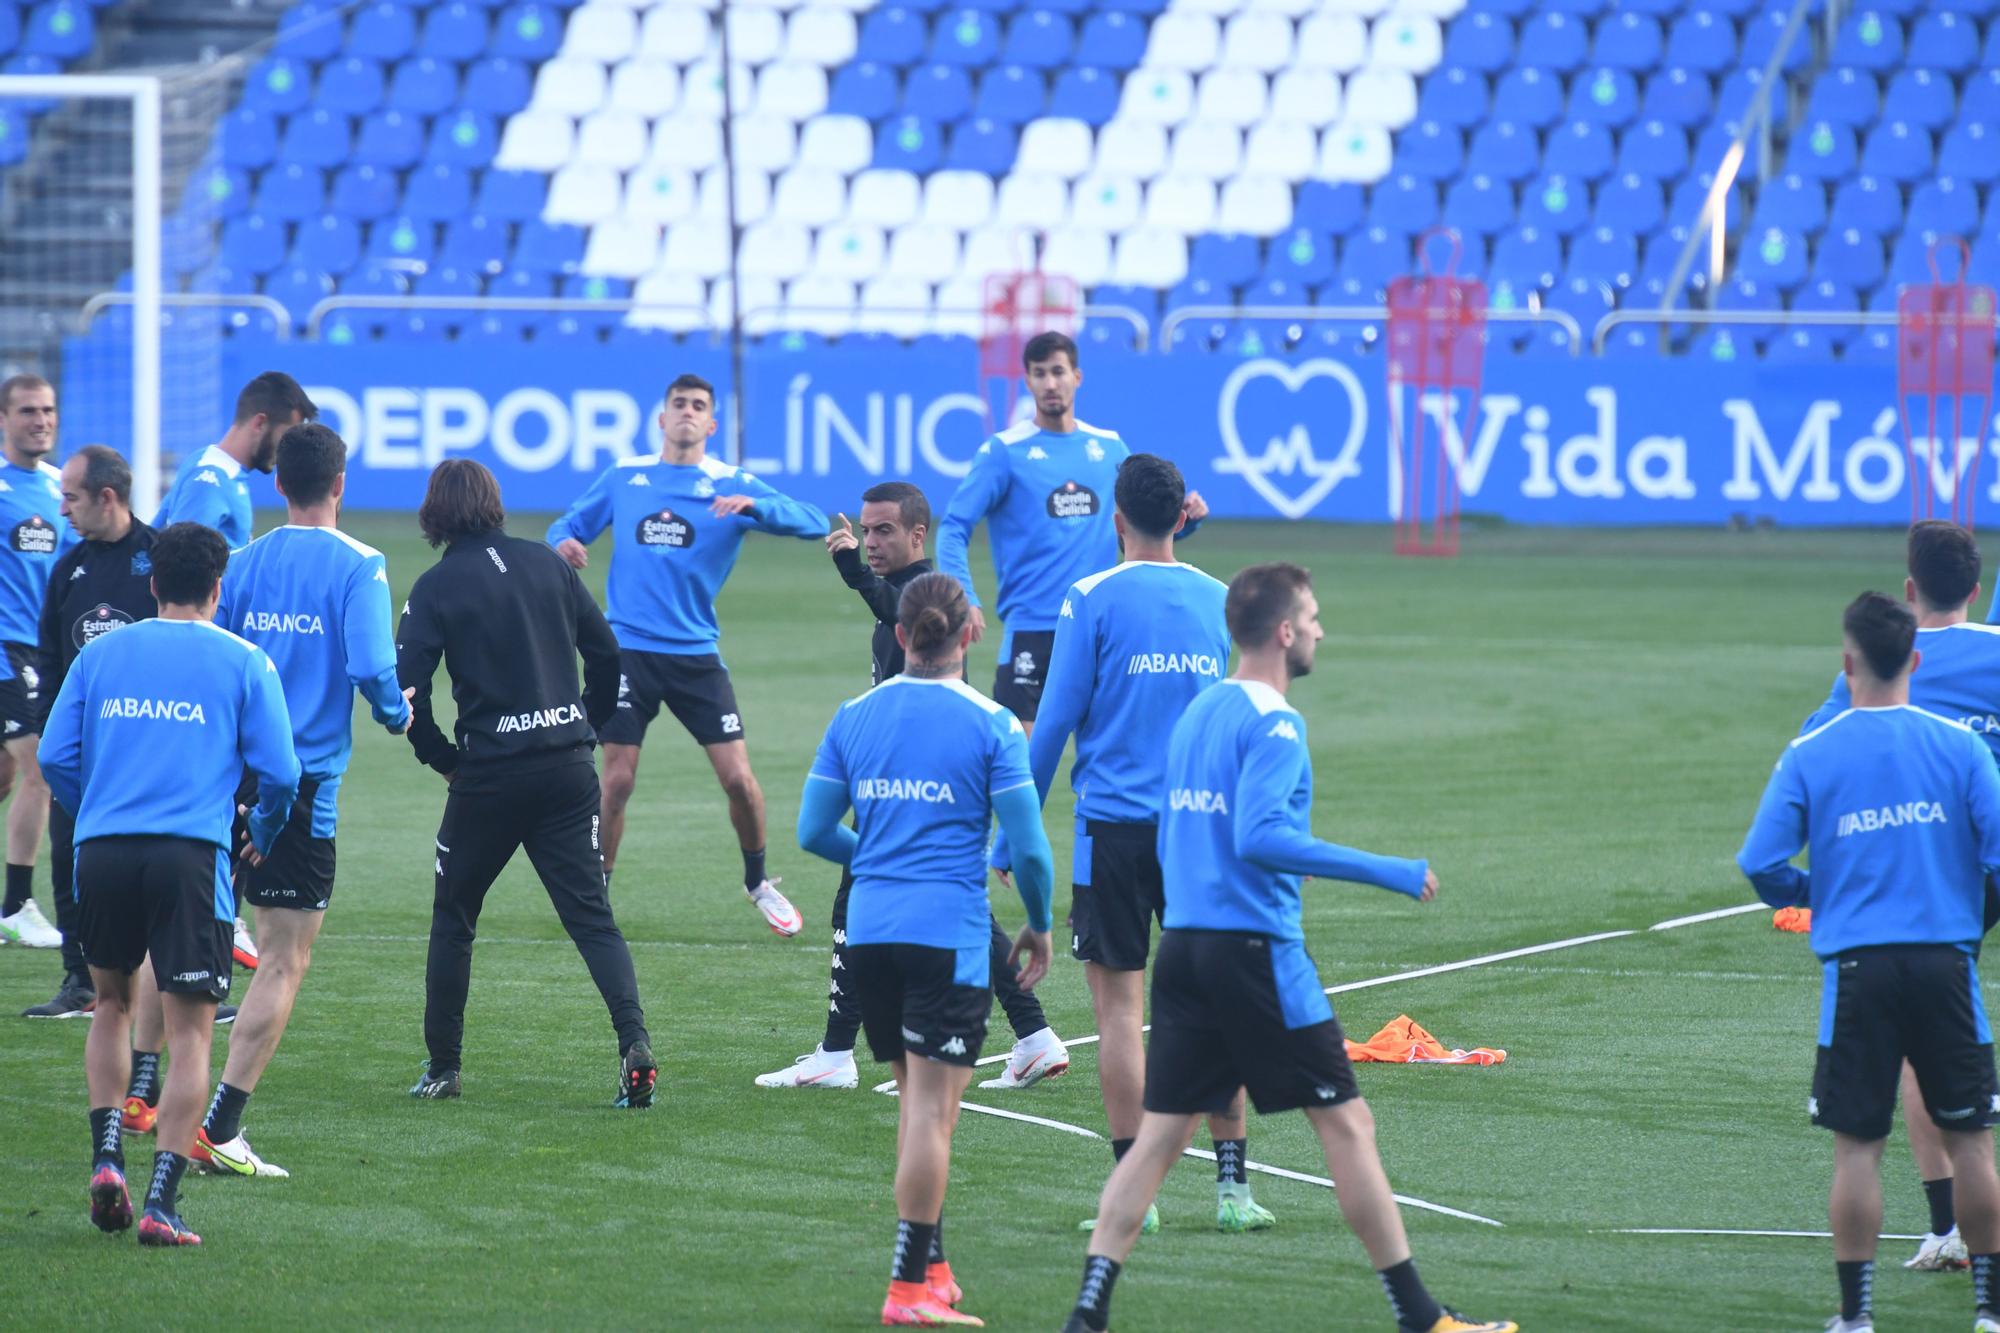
(1945, 42)
(571, 86)
(310, 31)
(1628, 41)
(1630, 203)
(214, 192)
(676, 302)
(1526, 258)
(1607, 96)
(651, 88)
(316, 138)
(927, 254)
(402, 239)
(621, 248)
(1871, 205)
(676, 34)
(456, 31)
(1183, 39)
(1111, 203)
(659, 194)
(1897, 151)
(1791, 204)
(1404, 205)
(1556, 205)
(548, 248)
(390, 139)
(382, 31)
(363, 193)
(463, 139)
(510, 196)
(1970, 152)
(937, 92)
(61, 30)
(1430, 150)
(1373, 258)
(1377, 96)
(1281, 149)
(540, 141)
(1870, 40)
(1701, 41)
(1801, 346)
(1849, 256)
(1086, 94)
(1158, 96)
(1737, 91)
(1478, 205)
(981, 145)
(1921, 97)
(247, 139)
(1653, 149)
(1113, 41)
(1944, 205)
(1841, 97)
(1824, 152)
(298, 290)
(600, 31)
(891, 35)
(1011, 95)
(290, 192)
(1579, 150)
(823, 35)
(425, 87)
(756, 34)
(1773, 256)
(1483, 44)
(1453, 96)
(1528, 96)
(1679, 97)
(1263, 42)
(887, 199)
(439, 192)
(839, 143)
(864, 89)
(1504, 151)
(277, 85)
(969, 38)
(252, 244)
(1554, 41)
(910, 143)
(328, 245)
(752, 201)
(496, 86)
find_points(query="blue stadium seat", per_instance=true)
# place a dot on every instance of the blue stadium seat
(1774, 256)
(511, 196)
(310, 30)
(1910, 259)
(439, 192)
(1579, 150)
(1329, 207)
(1868, 39)
(1801, 346)
(1701, 41)
(1897, 151)
(1372, 258)
(1944, 205)
(1736, 91)
(1654, 149)
(252, 244)
(258, 325)
(1823, 151)
(247, 138)
(1505, 151)
(1583, 298)
(1714, 142)
(549, 247)
(403, 239)
(941, 93)
(477, 244)
(277, 84)
(1871, 205)
(290, 192)
(1478, 42)
(426, 86)
(1109, 335)
(1552, 340)
(456, 31)
(1526, 258)
(30, 64)
(445, 280)
(1628, 41)
(1792, 204)
(1658, 255)
(363, 193)
(1430, 150)
(1039, 39)
(298, 290)
(530, 32)
(216, 193)
(984, 145)
(1145, 300)
(382, 31)
(328, 245)
(1604, 255)
(1981, 101)
(1479, 206)
(1112, 41)
(1528, 96)
(1556, 205)
(10, 28)
(1840, 97)
(1275, 292)
(13, 135)
(1011, 94)
(1946, 42)
(1630, 203)
(1196, 291)
(465, 139)
(373, 280)
(1632, 342)
(1552, 41)
(1725, 345)
(891, 36)
(1848, 255)
(1454, 97)
(316, 138)
(1825, 295)
(1301, 257)
(1922, 97)
(390, 139)
(1989, 55)
(1505, 9)
(1971, 151)
(351, 86)
(1606, 96)
(966, 37)
(1403, 204)
(909, 143)
(865, 89)
(580, 287)
(1760, 42)
(1749, 294)
(1578, 9)
(1085, 93)
(61, 30)
(1689, 196)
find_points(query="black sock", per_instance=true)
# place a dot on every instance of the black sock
(164, 1194)
(753, 869)
(1119, 1147)
(1413, 1306)
(145, 1083)
(20, 887)
(1983, 1294)
(1229, 1158)
(224, 1120)
(913, 1251)
(106, 1140)
(1093, 1299)
(937, 1239)
(1938, 1193)
(1857, 1286)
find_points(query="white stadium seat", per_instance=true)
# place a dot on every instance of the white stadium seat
(612, 138)
(1106, 201)
(1385, 97)
(791, 90)
(660, 194)
(1259, 41)
(1147, 257)
(1206, 148)
(584, 194)
(681, 302)
(756, 34)
(995, 249)
(1180, 40)
(601, 32)
(884, 197)
(1033, 199)
(701, 88)
(1296, 9)
(839, 143)
(646, 87)
(928, 254)
(569, 86)
(780, 250)
(1363, 8)
(753, 196)
(1437, 9)
(1157, 96)
(536, 141)
(1308, 96)
(821, 35)
(1184, 204)
(1354, 152)
(810, 196)
(1255, 206)
(1283, 148)
(1079, 253)
(820, 303)
(1221, 9)
(898, 305)
(765, 143)
(698, 246)
(674, 33)
(1406, 41)
(961, 200)
(622, 248)
(850, 252)
(1232, 97)
(762, 305)
(1130, 148)
(961, 307)
(1056, 147)
(1338, 42)
(683, 140)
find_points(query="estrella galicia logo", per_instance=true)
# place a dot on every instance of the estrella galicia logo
(1288, 471)
(1072, 500)
(35, 536)
(142, 562)
(99, 620)
(666, 528)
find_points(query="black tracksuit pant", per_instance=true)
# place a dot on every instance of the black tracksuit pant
(551, 810)
(62, 884)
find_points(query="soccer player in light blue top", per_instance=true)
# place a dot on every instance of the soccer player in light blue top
(927, 762)
(1237, 1001)
(35, 537)
(146, 744)
(317, 602)
(1900, 809)
(1040, 488)
(211, 489)
(678, 521)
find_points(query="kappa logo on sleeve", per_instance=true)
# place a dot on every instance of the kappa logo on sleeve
(1285, 730)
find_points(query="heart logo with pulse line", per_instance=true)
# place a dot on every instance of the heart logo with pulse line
(1290, 454)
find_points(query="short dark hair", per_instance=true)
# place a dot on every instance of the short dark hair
(1261, 598)
(105, 469)
(188, 560)
(1044, 346)
(1150, 493)
(911, 506)
(463, 498)
(1884, 629)
(277, 396)
(8, 386)
(1944, 564)
(932, 610)
(691, 380)
(310, 456)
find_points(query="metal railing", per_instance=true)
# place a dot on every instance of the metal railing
(1874, 319)
(97, 305)
(1354, 314)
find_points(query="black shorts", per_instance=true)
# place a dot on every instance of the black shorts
(169, 897)
(1915, 1002)
(299, 871)
(1023, 670)
(20, 693)
(695, 688)
(1227, 1011)
(1118, 894)
(922, 1000)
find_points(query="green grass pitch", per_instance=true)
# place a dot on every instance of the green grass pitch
(1573, 725)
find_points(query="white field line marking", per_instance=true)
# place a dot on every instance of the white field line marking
(564, 941)
(1725, 1231)
(1717, 915)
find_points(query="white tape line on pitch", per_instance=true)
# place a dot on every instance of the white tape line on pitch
(1729, 1231)
(1716, 915)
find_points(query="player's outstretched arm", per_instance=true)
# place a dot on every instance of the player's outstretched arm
(598, 646)
(1838, 701)
(881, 596)
(1267, 837)
(264, 735)
(584, 521)
(822, 806)
(1064, 706)
(774, 512)
(985, 485)
(1983, 798)
(419, 648)
(60, 751)
(366, 648)
(1776, 836)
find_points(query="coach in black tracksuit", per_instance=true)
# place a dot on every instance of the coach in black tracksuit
(104, 583)
(509, 618)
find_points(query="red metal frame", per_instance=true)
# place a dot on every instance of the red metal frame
(1944, 354)
(1437, 348)
(1018, 306)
